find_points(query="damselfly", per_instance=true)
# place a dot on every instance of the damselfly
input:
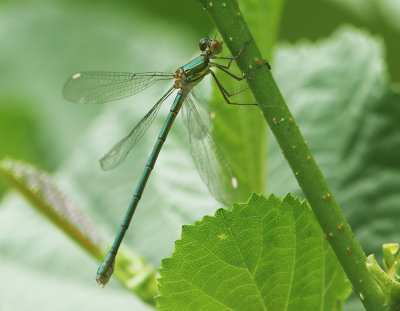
(101, 87)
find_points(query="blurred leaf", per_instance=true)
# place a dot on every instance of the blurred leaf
(43, 42)
(15, 122)
(186, 13)
(380, 17)
(74, 295)
(349, 116)
(340, 96)
(46, 266)
(373, 11)
(264, 19)
(265, 254)
(39, 189)
(137, 275)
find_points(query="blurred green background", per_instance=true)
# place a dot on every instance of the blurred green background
(43, 42)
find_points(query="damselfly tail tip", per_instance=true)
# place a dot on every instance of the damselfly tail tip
(97, 282)
(105, 270)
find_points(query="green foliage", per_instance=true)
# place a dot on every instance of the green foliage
(228, 19)
(345, 96)
(15, 122)
(389, 283)
(355, 106)
(388, 280)
(337, 89)
(300, 21)
(230, 123)
(266, 254)
(39, 189)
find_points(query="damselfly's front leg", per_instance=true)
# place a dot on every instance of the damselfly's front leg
(231, 58)
(226, 94)
(225, 68)
(244, 76)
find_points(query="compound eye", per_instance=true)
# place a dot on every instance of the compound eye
(203, 44)
(216, 47)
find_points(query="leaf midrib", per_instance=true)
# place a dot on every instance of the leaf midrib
(248, 269)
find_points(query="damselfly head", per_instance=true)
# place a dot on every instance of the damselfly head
(203, 44)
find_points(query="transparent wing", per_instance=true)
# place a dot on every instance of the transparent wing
(118, 153)
(210, 162)
(102, 87)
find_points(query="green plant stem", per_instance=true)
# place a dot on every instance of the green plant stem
(230, 23)
(248, 164)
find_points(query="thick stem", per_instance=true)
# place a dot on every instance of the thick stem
(230, 23)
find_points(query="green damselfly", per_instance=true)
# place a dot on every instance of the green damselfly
(101, 87)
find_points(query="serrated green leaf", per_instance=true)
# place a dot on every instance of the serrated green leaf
(266, 254)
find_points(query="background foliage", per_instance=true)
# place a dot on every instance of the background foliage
(339, 82)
